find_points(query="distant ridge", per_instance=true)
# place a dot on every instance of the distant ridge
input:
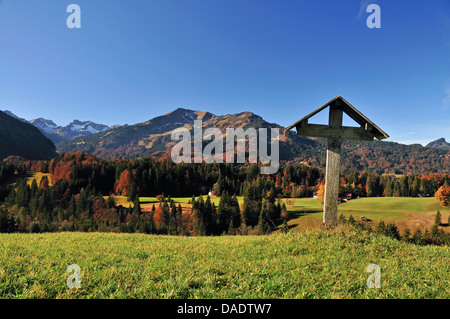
(439, 143)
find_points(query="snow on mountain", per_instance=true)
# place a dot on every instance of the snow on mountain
(77, 128)
(48, 126)
(87, 126)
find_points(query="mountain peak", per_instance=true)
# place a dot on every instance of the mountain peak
(440, 143)
(48, 126)
(179, 110)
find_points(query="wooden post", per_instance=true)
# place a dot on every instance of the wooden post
(332, 170)
(332, 182)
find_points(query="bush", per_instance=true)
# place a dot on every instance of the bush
(392, 231)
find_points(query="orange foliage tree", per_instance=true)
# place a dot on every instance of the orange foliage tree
(124, 183)
(159, 218)
(443, 195)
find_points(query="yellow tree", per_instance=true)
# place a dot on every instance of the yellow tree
(321, 191)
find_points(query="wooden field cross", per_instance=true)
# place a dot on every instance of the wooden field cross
(334, 132)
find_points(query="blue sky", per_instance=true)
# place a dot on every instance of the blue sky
(134, 60)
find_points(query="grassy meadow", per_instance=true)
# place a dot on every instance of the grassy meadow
(405, 212)
(310, 264)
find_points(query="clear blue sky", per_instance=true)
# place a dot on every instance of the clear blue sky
(134, 60)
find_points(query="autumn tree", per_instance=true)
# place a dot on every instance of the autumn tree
(124, 183)
(321, 191)
(443, 194)
(159, 220)
(44, 183)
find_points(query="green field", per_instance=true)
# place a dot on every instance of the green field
(311, 264)
(184, 200)
(411, 212)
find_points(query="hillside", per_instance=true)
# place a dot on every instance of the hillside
(153, 138)
(310, 264)
(22, 139)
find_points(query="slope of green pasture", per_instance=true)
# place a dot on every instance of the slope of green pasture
(374, 208)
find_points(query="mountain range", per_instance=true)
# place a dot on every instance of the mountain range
(153, 138)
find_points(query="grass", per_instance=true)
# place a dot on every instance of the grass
(38, 177)
(407, 212)
(148, 202)
(185, 200)
(391, 208)
(311, 264)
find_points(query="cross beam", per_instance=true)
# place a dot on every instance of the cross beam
(344, 132)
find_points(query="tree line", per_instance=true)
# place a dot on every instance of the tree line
(79, 194)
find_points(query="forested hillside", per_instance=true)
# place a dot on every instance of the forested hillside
(22, 139)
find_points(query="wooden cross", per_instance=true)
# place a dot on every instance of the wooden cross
(334, 132)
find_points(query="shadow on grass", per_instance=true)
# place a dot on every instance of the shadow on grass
(148, 202)
(293, 214)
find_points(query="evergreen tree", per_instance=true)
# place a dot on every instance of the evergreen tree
(136, 207)
(381, 228)
(392, 231)
(417, 237)
(437, 219)
(263, 222)
(406, 235)
(252, 204)
(351, 220)
(132, 193)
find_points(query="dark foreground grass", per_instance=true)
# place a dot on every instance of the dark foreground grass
(312, 264)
